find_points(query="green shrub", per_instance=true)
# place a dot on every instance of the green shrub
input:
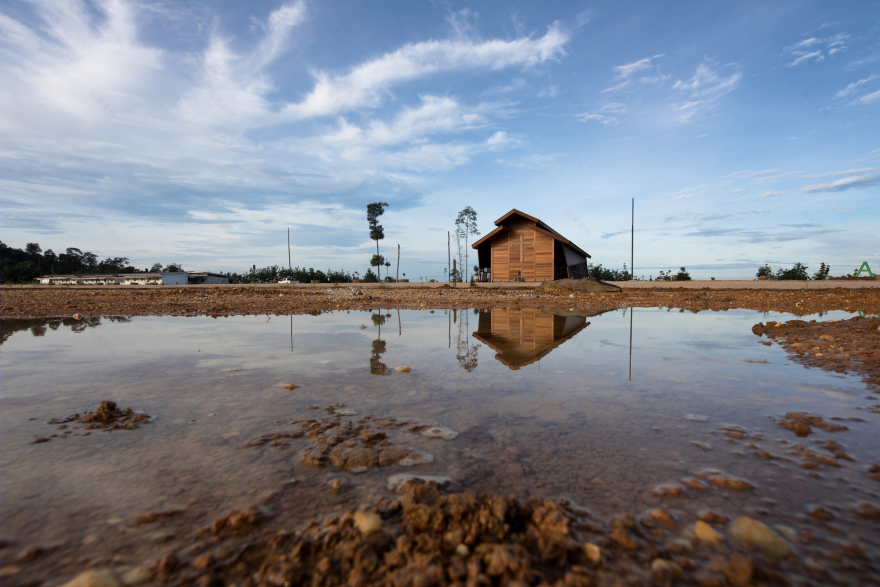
(798, 272)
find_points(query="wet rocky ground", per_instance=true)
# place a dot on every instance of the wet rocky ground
(319, 528)
(384, 498)
(242, 300)
(842, 346)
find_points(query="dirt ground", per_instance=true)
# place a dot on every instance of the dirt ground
(247, 300)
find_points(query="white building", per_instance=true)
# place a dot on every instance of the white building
(173, 278)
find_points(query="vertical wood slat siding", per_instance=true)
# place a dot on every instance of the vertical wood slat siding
(500, 262)
(543, 257)
(537, 258)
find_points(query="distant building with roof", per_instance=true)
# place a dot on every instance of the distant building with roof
(154, 278)
(524, 248)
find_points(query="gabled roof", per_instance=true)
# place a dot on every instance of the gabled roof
(540, 225)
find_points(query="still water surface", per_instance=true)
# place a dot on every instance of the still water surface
(545, 405)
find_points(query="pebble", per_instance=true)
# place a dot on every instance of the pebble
(367, 522)
(663, 517)
(395, 482)
(94, 578)
(137, 576)
(440, 432)
(821, 512)
(462, 550)
(419, 458)
(703, 445)
(696, 418)
(668, 490)
(725, 481)
(665, 568)
(403, 369)
(77, 317)
(754, 533)
(346, 412)
(161, 536)
(290, 386)
(867, 510)
(705, 533)
(363, 326)
(624, 539)
(337, 484)
(739, 571)
(594, 553)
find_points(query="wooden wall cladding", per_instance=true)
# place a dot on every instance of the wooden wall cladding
(522, 252)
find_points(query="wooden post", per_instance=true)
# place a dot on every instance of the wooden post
(397, 273)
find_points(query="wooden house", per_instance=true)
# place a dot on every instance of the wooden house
(523, 248)
(524, 336)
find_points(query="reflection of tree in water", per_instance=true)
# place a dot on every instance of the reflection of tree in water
(40, 326)
(465, 352)
(377, 367)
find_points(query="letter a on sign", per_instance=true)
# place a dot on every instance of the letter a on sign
(864, 267)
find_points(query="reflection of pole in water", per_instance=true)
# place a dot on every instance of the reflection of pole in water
(291, 333)
(399, 325)
(630, 344)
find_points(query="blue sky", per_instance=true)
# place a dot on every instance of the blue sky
(199, 132)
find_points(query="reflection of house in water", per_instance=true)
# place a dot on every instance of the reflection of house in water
(522, 336)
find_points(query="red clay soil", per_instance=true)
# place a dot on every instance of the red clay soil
(842, 346)
(426, 538)
(243, 300)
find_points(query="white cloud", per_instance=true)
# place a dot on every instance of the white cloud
(631, 69)
(847, 183)
(708, 82)
(838, 173)
(761, 196)
(604, 113)
(766, 175)
(705, 87)
(548, 92)
(366, 84)
(805, 50)
(626, 73)
(817, 54)
(514, 86)
(870, 97)
(682, 197)
(853, 86)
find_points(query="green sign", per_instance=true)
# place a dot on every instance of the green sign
(864, 267)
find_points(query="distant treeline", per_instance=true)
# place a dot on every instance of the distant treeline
(302, 275)
(23, 266)
(26, 265)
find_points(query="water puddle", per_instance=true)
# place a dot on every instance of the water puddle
(618, 411)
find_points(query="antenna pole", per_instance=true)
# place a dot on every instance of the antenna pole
(289, 268)
(632, 244)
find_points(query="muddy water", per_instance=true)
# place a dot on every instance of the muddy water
(600, 409)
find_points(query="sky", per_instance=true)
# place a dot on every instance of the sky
(199, 132)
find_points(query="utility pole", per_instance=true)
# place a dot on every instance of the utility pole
(632, 245)
(397, 273)
(449, 259)
(289, 267)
